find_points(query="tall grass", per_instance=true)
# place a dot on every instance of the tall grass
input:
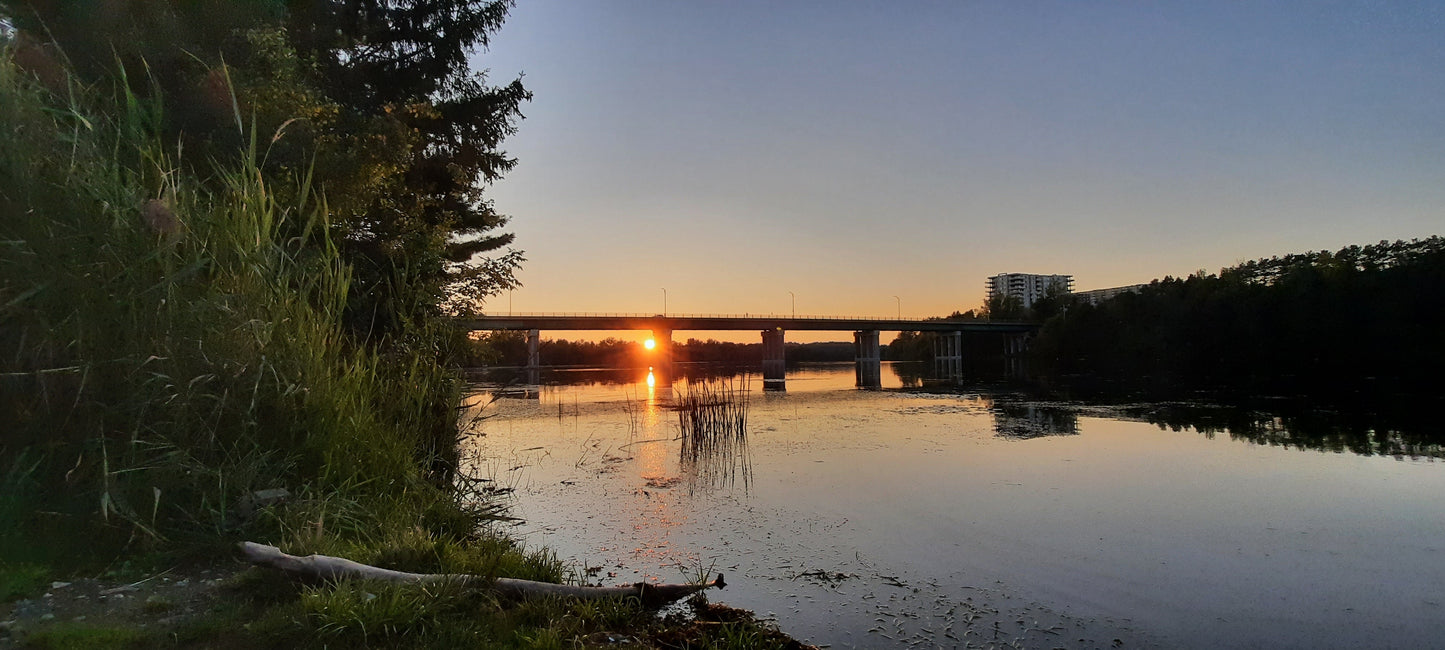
(172, 340)
(712, 415)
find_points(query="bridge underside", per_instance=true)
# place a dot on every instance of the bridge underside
(948, 356)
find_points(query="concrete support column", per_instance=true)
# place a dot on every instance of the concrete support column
(948, 356)
(534, 356)
(1015, 356)
(868, 361)
(662, 356)
(774, 363)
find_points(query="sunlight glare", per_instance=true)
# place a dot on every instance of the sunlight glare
(649, 344)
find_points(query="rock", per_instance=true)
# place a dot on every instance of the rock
(59, 585)
(158, 603)
(249, 504)
(47, 616)
(30, 609)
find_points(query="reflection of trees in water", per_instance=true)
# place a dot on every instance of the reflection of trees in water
(1367, 434)
(1025, 421)
(712, 415)
(911, 373)
(606, 376)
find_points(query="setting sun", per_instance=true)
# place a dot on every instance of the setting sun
(649, 344)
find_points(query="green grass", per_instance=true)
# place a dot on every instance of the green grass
(77, 636)
(171, 340)
(22, 581)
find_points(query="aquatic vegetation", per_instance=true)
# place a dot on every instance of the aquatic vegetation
(712, 415)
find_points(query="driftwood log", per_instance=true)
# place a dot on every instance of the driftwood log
(326, 567)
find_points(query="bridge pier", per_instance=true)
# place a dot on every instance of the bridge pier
(774, 362)
(662, 356)
(948, 356)
(869, 364)
(1015, 356)
(534, 357)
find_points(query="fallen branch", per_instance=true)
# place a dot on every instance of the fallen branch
(326, 567)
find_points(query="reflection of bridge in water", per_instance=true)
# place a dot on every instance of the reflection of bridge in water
(948, 349)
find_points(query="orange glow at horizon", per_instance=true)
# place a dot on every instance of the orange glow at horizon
(649, 344)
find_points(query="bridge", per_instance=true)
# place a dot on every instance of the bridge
(948, 351)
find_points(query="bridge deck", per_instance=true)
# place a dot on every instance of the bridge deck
(716, 322)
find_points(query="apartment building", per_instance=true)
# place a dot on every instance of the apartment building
(1096, 296)
(1028, 287)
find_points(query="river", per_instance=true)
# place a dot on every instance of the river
(903, 518)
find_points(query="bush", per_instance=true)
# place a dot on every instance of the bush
(167, 346)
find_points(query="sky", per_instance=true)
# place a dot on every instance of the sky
(881, 157)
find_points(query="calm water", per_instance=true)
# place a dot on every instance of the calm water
(907, 519)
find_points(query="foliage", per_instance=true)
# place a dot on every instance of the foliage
(88, 637)
(173, 314)
(376, 100)
(1361, 318)
(983, 352)
(1001, 306)
(168, 345)
(409, 61)
(22, 581)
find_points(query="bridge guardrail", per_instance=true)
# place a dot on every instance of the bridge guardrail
(583, 314)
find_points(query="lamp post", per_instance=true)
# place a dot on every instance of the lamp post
(795, 304)
(664, 301)
(900, 307)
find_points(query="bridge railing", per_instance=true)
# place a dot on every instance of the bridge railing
(592, 314)
(588, 314)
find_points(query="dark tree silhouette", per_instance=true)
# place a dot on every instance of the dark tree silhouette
(375, 100)
(1361, 318)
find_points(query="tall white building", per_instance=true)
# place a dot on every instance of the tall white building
(1028, 287)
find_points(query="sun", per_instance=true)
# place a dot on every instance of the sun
(649, 344)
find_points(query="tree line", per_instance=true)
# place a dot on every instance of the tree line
(983, 353)
(1362, 318)
(506, 348)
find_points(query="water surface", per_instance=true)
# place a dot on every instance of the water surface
(908, 519)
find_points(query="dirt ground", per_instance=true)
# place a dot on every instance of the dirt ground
(155, 603)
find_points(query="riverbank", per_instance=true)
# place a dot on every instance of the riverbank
(177, 374)
(226, 605)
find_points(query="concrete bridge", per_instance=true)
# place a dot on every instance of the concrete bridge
(948, 352)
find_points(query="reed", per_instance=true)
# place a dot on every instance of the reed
(171, 341)
(712, 415)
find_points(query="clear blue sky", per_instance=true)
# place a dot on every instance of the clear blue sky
(851, 152)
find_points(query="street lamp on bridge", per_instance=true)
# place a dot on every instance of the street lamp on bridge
(664, 301)
(900, 307)
(795, 304)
